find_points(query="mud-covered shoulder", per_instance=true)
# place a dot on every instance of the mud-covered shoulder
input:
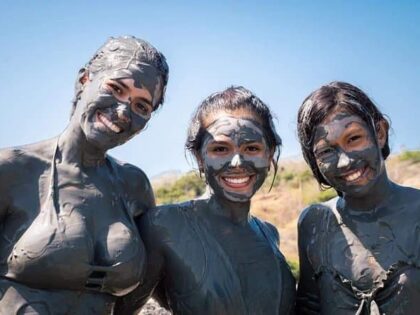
(409, 195)
(269, 229)
(136, 185)
(162, 224)
(316, 213)
(18, 162)
(169, 215)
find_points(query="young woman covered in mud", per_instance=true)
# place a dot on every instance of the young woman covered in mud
(359, 252)
(69, 244)
(210, 255)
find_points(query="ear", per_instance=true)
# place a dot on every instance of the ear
(382, 132)
(83, 76)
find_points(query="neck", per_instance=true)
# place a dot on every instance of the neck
(237, 212)
(377, 196)
(75, 149)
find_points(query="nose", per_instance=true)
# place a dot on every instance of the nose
(123, 112)
(236, 160)
(343, 160)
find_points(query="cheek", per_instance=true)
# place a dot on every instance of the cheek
(138, 123)
(259, 161)
(327, 168)
(370, 155)
(215, 163)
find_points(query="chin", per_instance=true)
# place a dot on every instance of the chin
(359, 191)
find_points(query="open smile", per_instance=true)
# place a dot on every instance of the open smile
(237, 181)
(109, 124)
(355, 175)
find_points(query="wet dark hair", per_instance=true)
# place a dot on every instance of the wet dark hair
(231, 99)
(323, 101)
(122, 52)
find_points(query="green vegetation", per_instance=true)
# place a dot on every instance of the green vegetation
(289, 178)
(185, 188)
(294, 267)
(412, 156)
(324, 195)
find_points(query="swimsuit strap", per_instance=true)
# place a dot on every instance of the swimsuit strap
(50, 204)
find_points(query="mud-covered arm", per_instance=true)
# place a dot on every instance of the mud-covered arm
(134, 301)
(308, 297)
(288, 294)
(288, 284)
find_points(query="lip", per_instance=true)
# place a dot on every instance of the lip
(103, 119)
(355, 175)
(237, 182)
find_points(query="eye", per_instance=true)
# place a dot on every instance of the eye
(141, 108)
(116, 89)
(253, 148)
(324, 153)
(354, 139)
(219, 149)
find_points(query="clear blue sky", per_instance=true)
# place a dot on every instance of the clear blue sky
(281, 50)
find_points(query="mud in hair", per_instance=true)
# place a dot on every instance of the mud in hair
(121, 52)
(231, 99)
(323, 101)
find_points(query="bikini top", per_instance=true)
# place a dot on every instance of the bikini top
(358, 275)
(57, 250)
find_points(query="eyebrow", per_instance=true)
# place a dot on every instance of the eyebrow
(249, 141)
(216, 143)
(121, 83)
(354, 122)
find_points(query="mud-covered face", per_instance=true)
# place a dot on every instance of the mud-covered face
(116, 104)
(235, 157)
(347, 153)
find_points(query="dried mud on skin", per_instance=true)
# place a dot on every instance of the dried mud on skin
(153, 308)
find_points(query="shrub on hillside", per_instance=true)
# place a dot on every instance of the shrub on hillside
(412, 156)
(294, 267)
(187, 187)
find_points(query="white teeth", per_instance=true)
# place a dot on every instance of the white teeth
(236, 180)
(109, 124)
(353, 176)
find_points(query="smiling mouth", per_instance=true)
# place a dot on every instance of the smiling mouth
(355, 175)
(237, 181)
(105, 121)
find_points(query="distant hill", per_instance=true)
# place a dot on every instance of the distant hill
(167, 177)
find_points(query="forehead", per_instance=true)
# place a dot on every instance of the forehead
(335, 124)
(133, 70)
(235, 128)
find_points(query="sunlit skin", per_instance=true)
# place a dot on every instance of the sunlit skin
(235, 156)
(348, 153)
